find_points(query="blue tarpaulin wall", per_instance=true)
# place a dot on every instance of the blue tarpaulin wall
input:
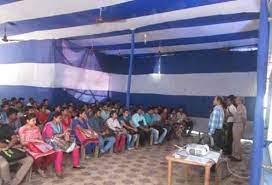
(57, 70)
(79, 51)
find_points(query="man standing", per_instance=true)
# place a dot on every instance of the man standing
(230, 114)
(216, 123)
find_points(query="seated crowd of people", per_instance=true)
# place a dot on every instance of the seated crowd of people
(36, 135)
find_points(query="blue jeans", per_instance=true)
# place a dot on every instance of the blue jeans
(155, 134)
(106, 143)
(89, 148)
(131, 139)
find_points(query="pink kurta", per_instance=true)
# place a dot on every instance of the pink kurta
(27, 135)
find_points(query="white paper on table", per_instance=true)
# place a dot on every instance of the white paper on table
(211, 155)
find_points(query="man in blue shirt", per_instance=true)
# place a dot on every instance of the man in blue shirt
(105, 113)
(157, 131)
(139, 122)
(215, 128)
(13, 120)
(106, 139)
(3, 113)
(132, 135)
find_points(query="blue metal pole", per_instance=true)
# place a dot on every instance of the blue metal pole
(130, 67)
(258, 131)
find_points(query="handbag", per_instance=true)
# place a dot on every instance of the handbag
(39, 147)
(86, 135)
(13, 154)
(60, 143)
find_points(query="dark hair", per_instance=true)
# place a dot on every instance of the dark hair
(231, 98)
(125, 110)
(112, 112)
(42, 106)
(4, 104)
(64, 108)
(56, 114)
(139, 108)
(219, 99)
(27, 108)
(150, 108)
(96, 111)
(80, 111)
(30, 116)
(11, 111)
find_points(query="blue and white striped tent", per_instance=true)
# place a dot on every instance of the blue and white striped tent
(63, 42)
(186, 51)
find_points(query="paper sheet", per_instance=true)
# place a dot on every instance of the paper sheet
(214, 156)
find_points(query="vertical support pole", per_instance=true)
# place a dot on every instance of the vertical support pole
(130, 67)
(269, 98)
(258, 131)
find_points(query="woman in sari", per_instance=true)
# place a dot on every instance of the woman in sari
(66, 119)
(84, 135)
(31, 139)
(61, 141)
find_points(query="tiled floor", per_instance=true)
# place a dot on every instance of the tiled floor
(145, 166)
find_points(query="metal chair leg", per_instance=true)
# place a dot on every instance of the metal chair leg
(151, 140)
(82, 152)
(29, 175)
(96, 151)
(137, 141)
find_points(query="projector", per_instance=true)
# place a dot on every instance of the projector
(197, 149)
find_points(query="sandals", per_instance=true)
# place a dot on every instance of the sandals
(78, 167)
(60, 175)
(41, 173)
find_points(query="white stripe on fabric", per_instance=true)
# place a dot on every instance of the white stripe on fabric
(29, 74)
(174, 33)
(65, 76)
(188, 47)
(52, 75)
(78, 78)
(230, 7)
(33, 9)
(197, 84)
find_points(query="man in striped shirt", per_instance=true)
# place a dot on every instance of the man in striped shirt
(216, 123)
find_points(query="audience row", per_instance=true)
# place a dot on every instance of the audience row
(47, 134)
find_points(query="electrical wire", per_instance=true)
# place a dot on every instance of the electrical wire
(233, 172)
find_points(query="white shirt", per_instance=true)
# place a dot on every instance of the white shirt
(231, 109)
(113, 123)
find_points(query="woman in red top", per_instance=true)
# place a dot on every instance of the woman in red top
(31, 138)
(42, 115)
(66, 119)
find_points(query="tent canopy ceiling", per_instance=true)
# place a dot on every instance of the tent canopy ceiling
(160, 26)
